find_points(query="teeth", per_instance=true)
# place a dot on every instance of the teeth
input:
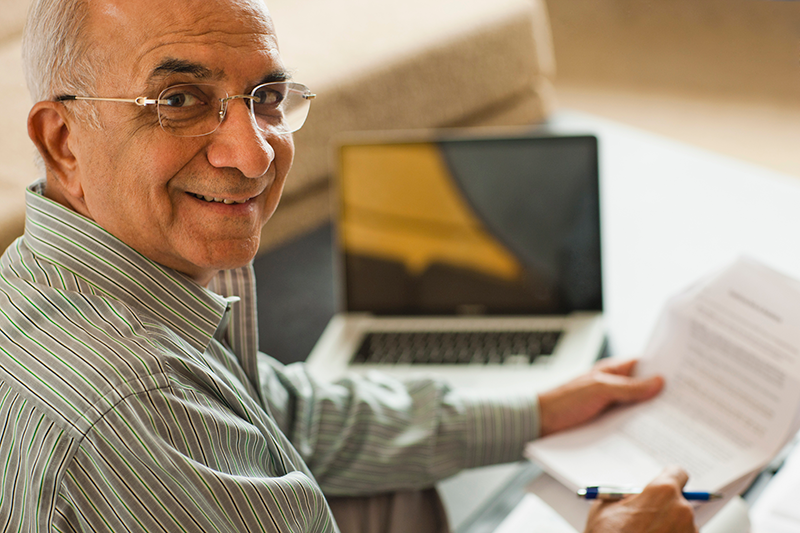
(219, 200)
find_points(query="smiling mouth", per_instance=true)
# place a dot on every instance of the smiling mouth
(225, 201)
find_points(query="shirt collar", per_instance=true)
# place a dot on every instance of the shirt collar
(115, 270)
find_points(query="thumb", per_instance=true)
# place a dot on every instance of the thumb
(626, 389)
(673, 474)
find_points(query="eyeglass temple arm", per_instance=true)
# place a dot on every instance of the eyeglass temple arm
(140, 101)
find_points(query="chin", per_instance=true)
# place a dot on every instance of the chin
(236, 257)
(226, 254)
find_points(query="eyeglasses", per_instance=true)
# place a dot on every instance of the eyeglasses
(190, 110)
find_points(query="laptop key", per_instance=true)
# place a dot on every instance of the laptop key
(516, 359)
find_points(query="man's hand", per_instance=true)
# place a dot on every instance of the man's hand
(660, 508)
(582, 399)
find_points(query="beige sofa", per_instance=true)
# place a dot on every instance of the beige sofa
(374, 64)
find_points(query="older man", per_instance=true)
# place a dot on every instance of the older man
(132, 394)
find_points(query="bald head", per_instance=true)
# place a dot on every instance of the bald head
(60, 43)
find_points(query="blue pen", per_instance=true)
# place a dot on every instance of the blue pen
(613, 494)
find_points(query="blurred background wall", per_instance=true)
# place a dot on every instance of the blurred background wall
(719, 74)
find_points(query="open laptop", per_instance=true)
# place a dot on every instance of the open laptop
(472, 256)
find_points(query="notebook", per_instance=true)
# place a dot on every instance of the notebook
(475, 257)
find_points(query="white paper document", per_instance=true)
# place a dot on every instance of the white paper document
(729, 349)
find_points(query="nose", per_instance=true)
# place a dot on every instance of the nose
(239, 144)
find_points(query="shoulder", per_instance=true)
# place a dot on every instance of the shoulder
(75, 354)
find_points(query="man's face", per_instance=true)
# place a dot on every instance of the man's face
(147, 187)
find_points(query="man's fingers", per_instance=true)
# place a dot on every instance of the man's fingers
(668, 484)
(620, 368)
(675, 474)
(625, 389)
(586, 396)
(659, 508)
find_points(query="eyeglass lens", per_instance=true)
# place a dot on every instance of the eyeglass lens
(193, 110)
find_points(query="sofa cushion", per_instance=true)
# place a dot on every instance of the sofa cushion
(410, 64)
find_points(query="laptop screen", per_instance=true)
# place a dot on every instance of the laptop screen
(498, 225)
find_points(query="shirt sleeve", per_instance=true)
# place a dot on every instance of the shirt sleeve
(372, 434)
(176, 459)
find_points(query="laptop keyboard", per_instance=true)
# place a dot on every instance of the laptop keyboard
(456, 347)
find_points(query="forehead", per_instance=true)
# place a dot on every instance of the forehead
(228, 38)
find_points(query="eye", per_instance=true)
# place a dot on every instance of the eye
(181, 100)
(183, 97)
(268, 96)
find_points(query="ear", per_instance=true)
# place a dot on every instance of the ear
(49, 128)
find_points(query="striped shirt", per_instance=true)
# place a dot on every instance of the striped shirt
(133, 399)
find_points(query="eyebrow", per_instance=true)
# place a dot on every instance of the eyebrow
(171, 66)
(278, 75)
